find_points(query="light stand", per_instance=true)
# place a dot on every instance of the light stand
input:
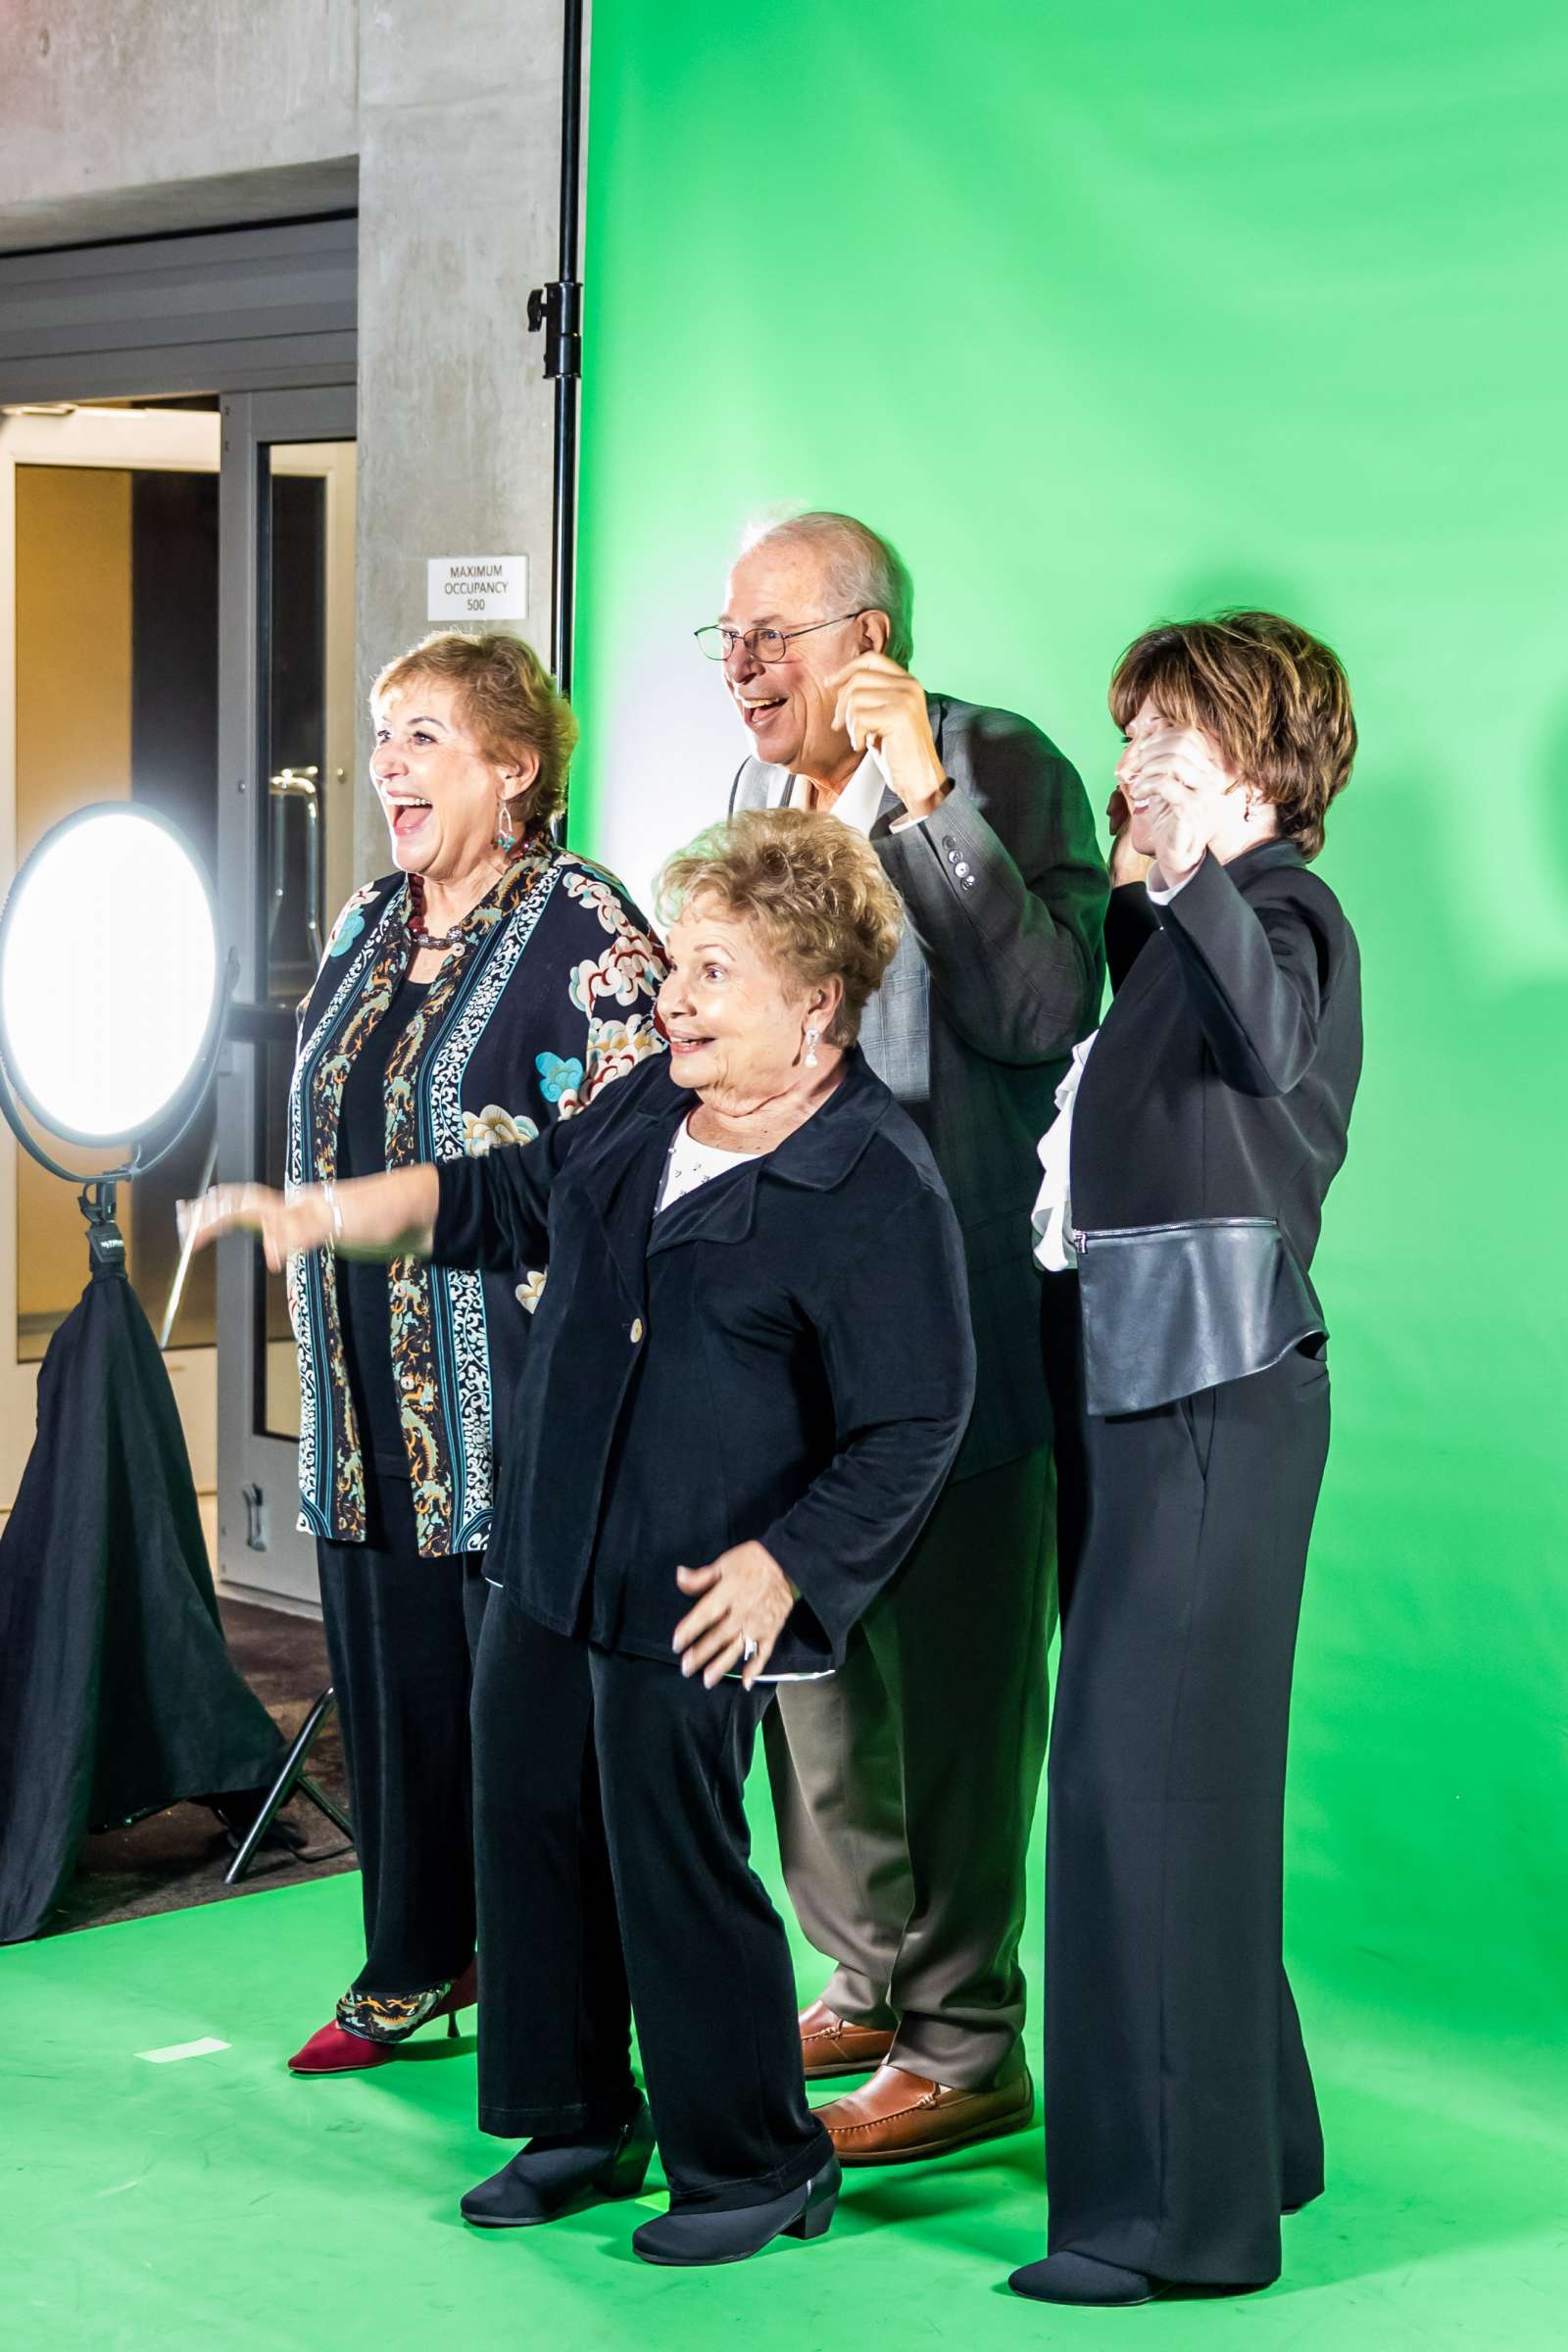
(118, 1697)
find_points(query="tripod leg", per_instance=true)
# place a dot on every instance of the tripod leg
(282, 1788)
(324, 1804)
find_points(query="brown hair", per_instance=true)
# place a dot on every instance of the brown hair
(1272, 697)
(815, 890)
(508, 701)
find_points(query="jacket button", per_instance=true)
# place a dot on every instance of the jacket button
(637, 1331)
(948, 841)
(960, 869)
(968, 881)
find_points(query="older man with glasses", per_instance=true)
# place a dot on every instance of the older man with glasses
(906, 1784)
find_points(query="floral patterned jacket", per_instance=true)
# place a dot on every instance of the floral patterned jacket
(551, 1001)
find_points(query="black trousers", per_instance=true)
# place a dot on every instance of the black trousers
(614, 1881)
(401, 1634)
(1180, 2115)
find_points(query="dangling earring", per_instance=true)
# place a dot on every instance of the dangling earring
(506, 830)
(1246, 809)
(811, 1036)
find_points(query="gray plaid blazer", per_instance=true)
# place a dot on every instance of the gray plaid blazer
(997, 976)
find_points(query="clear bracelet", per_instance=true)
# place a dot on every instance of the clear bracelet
(333, 1209)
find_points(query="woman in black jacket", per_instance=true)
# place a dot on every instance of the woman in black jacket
(749, 1372)
(1199, 1133)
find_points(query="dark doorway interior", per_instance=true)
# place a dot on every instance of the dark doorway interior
(174, 770)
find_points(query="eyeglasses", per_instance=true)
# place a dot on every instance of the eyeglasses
(763, 644)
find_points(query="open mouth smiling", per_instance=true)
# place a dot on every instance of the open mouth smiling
(754, 708)
(407, 814)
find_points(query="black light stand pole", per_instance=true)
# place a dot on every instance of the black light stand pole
(556, 310)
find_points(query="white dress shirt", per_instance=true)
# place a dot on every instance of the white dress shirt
(1053, 1210)
(858, 805)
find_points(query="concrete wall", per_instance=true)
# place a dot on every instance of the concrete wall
(439, 119)
(458, 132)
(126, 117)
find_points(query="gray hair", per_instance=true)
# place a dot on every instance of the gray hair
(864, 571)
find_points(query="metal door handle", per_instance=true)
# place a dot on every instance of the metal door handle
(297, 784)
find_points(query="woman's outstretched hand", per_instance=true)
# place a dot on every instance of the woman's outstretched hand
(286, 1226)
(746, 1599)
(364, 1217)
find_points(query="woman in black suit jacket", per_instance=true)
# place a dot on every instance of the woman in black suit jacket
(1184, 1187)
(729, 1431)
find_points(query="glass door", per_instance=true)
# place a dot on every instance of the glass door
(109, 533)
(286, 866)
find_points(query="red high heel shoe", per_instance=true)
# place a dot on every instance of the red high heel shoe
(336, 2051)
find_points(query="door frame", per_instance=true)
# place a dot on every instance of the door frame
(278, 1568)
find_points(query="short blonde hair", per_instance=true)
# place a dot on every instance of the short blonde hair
(508, 701)
(814, 889)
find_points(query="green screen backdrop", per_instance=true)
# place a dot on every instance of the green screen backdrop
(1106, 316)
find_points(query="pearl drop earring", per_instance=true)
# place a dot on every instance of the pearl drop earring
(811, 1036)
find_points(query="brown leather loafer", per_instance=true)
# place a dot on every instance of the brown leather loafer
(831, 2045)
(899, 2118)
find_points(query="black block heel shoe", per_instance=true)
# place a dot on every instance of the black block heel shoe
(732, 2233)
(550, 2179)
(1081, 2279)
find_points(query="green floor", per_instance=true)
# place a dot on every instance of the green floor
(215, 2201)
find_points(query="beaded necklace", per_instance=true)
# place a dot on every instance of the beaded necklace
(418, 937)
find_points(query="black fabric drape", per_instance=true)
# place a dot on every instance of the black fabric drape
(116, 1693)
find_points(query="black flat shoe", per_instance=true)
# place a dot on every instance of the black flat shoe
(732, 2234)
(1079, 2279)
(549, 2180)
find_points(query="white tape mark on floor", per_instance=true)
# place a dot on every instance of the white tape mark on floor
(182, 2049)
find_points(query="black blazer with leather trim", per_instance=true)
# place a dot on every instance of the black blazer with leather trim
(783, 1355)
(1210, 1120)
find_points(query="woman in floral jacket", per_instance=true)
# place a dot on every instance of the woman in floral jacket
(490, 985)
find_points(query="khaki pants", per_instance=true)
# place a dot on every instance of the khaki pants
(904, 1785)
